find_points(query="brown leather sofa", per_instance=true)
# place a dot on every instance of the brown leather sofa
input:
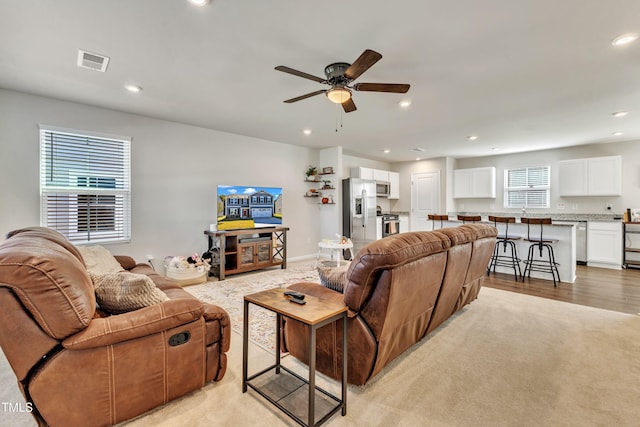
(398, 289)
(80, 367)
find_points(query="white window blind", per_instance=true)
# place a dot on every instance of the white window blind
(527, 187)
(85, 186)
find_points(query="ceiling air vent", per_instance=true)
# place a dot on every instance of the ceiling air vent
(92, 61)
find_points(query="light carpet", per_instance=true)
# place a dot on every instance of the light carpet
(507, 359)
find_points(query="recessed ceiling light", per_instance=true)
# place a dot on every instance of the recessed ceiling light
(620, 113)
(624, 39)
(387, 151)
(495, 148)
(404, 104)
(133, 88)
(617, 133)
(418, 158)
(418, 149)
(472, 137)
(307, 131)
(199, 2)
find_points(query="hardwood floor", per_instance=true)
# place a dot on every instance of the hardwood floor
(616, 290)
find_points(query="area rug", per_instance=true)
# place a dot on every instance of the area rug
(229, 294)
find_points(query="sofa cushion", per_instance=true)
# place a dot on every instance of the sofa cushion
(124, 291)
(99, 260)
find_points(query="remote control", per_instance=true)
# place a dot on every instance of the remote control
(294, 294)
(297, 301)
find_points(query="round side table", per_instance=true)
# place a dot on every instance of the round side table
(335, 248)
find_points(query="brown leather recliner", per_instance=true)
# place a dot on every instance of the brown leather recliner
(80, 367)
(398, 289)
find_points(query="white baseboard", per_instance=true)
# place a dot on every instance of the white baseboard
(301, 258)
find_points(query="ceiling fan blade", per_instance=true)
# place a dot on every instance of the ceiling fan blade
(382, 87)
(349, 105)
(301, 97)
(362, 64)
(300, 74)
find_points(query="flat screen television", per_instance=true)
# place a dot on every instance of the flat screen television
(241, 207)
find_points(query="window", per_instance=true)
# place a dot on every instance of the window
(526, 187)
(85, 186)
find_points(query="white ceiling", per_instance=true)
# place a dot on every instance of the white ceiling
(522, 75)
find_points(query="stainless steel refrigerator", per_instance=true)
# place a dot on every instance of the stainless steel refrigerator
(359, 211)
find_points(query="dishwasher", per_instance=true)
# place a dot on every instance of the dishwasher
(581, 239)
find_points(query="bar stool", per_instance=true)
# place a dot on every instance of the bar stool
(469, 218)
(505, 240)
(435, 218)
(548, 265)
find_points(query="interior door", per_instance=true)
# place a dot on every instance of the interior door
(425, 199)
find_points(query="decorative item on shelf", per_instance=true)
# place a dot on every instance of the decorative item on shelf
(326, 184)
(313, 193)
(312, 173)
(325, 200)
(327, 170)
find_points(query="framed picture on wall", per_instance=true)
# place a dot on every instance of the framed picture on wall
(328, 169)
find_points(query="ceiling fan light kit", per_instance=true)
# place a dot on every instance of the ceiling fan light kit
(340, 75)
(338, 95)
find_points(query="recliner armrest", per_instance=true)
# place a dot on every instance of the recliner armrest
(135, 324)
(125, 261)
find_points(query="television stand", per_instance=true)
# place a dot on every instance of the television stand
(247, 249)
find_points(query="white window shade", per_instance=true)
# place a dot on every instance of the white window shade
(527, 187)
(85, 186)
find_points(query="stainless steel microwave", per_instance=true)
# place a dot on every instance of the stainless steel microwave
(382, 188)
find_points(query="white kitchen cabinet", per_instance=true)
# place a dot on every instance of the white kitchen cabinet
(596, 176)
(378, 227)
(604, 244)
(605, 176)
(474, 183)
(380, 175)
(362, 173)
(404, 223)
(572, 177)
(394, 185)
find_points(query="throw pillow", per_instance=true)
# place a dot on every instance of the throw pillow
(333, 277)
(99, 260)
(124, 291)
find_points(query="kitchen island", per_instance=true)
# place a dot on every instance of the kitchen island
(564, 249)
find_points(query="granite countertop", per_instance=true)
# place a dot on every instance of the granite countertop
(453, 216)
(554, 216)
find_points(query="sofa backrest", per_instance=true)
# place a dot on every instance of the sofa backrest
(458, 258)
(386, 254)
(47, 275)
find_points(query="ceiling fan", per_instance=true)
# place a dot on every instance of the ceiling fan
(340, 75)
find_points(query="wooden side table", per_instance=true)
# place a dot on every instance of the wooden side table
(315, 314)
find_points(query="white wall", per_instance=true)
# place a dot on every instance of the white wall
(175, 171)
(630, 152)
(330, 215)
(407, 168)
